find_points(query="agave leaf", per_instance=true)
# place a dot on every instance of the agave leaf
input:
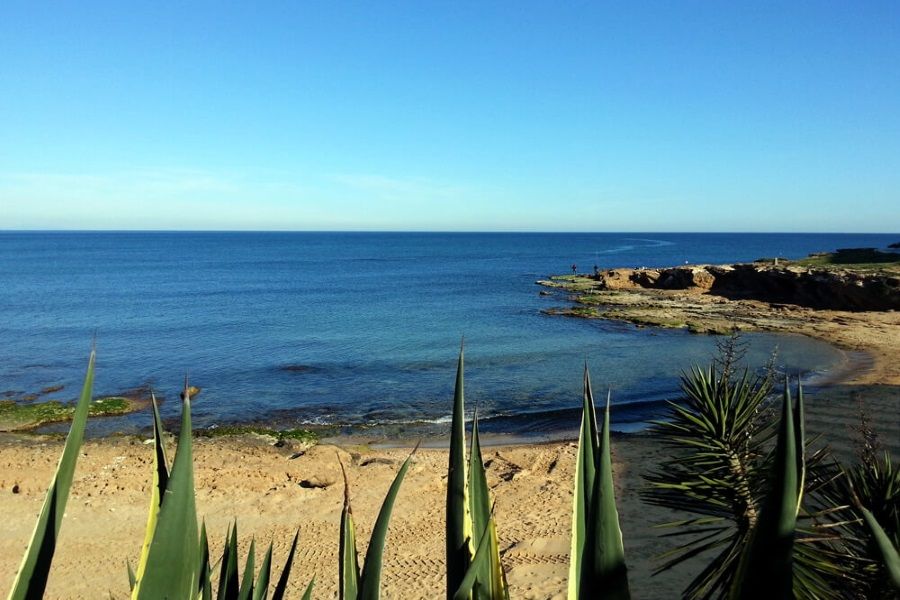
(246, 590)
(307, 595)
(370, 579)
(175, 550)
(766, 567)
(585, 469)
(603, 569)
(458, 521)
(31, 580)
(479, 496)
(281, 586)
(157, 491)
(889, 555)
(261, 589)
(229, 586)
(476, 566)
(204, 570)
(499, 589)
(490, 578)
(479, 504)
(348, 564)
(206, 582)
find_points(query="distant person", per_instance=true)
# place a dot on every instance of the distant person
(574, 269)
(596, 270)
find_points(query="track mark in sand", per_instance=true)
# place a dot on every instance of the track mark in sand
(517, 558)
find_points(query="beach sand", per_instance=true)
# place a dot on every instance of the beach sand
(259, 484)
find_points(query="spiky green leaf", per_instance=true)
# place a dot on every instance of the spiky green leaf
(229, 585)
(603, 570)
(490, 579)
(261, 589)
(281, 586)
(175, 550)
(478, 564)
(458, 522)
(31, 579)
(307, 595)
(585, 469)
(246, 590)
(348, 562)
(203, 566)
(370, 578)
(766, 567)
(889, 555)
(157, 491)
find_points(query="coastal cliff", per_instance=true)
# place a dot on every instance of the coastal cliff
(849, 298)
(817, 288)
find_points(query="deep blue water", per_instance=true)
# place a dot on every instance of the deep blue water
(374, 318)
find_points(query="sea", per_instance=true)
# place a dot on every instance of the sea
(360, 332)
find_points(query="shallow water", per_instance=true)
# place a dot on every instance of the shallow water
(357, 328)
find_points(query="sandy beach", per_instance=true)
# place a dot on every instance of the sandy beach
(273, 495)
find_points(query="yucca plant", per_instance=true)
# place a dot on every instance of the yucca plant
(31, 579)
(874, 487)
(866, 494)
(354, 584)
(720, 434)
(889, 558)
(474, 569)
(597, 566)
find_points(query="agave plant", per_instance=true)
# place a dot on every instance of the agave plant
(597, 566)
(474, 569)
(766, 565)
(31, 579)
(354, 584)
(175, 562)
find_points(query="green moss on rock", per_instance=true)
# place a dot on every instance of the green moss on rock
(16, 416)
(298, 435)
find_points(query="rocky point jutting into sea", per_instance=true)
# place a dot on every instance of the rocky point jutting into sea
(849, 298)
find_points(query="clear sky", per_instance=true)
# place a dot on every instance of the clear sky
(555, 116)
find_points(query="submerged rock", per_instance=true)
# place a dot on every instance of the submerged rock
(193, 390)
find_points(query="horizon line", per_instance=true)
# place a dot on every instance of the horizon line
(440, 231)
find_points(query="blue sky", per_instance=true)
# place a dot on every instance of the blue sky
(669, 116)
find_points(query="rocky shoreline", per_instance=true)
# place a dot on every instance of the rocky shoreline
(854, 307)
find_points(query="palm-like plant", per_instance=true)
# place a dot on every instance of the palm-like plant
(718, 436)
(721, 437)
(865, 508)
(876, 497)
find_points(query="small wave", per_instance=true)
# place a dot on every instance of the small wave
(653, 243)
(627, 415)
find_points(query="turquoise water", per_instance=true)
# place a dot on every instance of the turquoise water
(356, 328)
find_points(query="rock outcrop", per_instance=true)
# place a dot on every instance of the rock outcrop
(803, 286)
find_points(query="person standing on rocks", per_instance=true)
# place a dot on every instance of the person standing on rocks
(574, 269)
